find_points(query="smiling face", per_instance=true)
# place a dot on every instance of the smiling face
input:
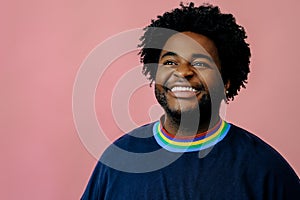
(188, 76)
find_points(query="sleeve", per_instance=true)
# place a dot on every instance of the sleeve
(96, 187)
(282, 183)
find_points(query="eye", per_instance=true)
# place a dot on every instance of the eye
(169, 62)
(200, 64)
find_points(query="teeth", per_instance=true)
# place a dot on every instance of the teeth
(183, 89)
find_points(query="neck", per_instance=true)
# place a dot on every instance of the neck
(188, 125)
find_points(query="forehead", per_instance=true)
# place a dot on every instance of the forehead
(186, 44)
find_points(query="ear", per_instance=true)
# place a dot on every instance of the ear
(227, 85)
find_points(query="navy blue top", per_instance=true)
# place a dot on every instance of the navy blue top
(241, 166)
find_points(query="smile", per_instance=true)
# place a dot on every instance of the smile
(183, 89)
(185, 92)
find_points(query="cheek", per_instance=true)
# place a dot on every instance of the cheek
(162, 75)
(214, 84)
(211, 78)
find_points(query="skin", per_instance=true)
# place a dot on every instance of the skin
(188, 76)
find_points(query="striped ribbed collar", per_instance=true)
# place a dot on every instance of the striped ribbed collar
(190, 143)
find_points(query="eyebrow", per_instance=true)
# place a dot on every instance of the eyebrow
(194, 56)
(199, 55)
(169, 53)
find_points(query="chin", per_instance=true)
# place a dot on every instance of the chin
(187, 110)
(184, 109)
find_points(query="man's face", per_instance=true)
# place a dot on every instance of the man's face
(188, 75)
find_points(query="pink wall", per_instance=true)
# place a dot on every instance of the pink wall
(43, 44)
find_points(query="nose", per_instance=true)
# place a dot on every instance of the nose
(184, 70)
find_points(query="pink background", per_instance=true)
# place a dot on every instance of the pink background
(43, 44)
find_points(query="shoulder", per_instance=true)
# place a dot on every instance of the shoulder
(260, 159)
(261, 164)
(138, 140)
(127, 151)
(116, 158)
(250, 145)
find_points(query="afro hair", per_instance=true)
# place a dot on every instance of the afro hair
(222, 29)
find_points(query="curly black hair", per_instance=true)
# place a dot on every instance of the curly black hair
(222, 29)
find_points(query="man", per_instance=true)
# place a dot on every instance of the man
(197, 57)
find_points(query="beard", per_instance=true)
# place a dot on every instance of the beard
(188, 120)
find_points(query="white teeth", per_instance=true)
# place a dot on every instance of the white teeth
(183, 89)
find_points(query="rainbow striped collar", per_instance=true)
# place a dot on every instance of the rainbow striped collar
(193, 143)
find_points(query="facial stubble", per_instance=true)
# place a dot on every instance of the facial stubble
(186, 120)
